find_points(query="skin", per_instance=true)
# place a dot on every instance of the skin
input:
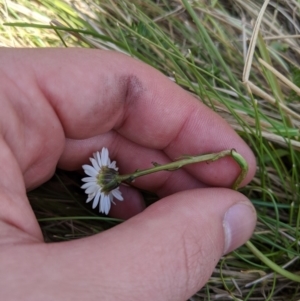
(58, 106)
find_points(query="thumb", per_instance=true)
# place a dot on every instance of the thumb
(167, 252)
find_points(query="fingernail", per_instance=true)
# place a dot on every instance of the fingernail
(239, 223)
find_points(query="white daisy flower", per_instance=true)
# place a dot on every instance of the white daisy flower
(100, 185)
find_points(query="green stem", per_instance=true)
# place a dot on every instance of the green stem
(276, 268)
(191, 160)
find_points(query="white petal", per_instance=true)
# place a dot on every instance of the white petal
(95, 164)
(107, 204)
(92, 189)
(90, 171)
(113, 165)
(91, 196)
(89, 179)
(98, 158)
(111, 198)
(96, 199)
(104, 156)
(86, 185)
(102, 203)
(117, 194)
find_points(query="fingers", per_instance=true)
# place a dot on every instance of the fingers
(132, 204)
(175, 244)
(28, 123)
(167, 252)
(94, 92)
(15, 211)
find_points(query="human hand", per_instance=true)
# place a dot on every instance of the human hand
(57, 108)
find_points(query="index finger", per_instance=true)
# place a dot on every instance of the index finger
(94, 92)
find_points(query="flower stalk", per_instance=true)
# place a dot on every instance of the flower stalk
(186, 160)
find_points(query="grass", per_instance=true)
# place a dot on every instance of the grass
(241, 58)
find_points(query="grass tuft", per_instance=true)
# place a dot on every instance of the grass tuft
(241, 58)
